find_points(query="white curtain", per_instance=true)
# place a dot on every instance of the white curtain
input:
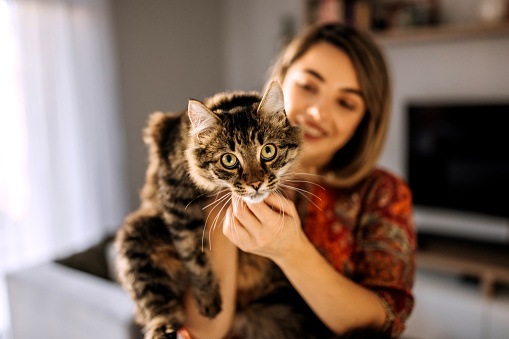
(61, 158)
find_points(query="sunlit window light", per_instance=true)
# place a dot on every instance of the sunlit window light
(14, 183)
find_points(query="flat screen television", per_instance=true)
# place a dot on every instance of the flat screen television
(458, 156)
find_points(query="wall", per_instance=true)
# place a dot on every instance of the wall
(168, 51)
(252, 33)
(458, 12)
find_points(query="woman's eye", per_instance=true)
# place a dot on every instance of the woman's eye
(229, 161)
(268, 152)
(347, 105)
(307, 87)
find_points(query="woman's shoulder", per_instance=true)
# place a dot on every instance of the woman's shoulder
(383, 187)
(380, 189)
(382, 178)
(380, 175)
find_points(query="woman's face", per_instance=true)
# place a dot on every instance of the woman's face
(323, 96)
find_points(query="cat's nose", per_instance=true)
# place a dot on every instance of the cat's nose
(255, 184)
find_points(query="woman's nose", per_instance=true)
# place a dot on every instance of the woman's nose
(319, 110)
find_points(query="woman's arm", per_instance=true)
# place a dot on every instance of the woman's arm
(224, 259)
(341, 304)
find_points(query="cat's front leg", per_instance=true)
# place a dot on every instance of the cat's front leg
(203, 281)
(150, 270)
(153, 331)
(205, 288)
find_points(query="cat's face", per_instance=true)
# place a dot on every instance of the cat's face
(246, 149)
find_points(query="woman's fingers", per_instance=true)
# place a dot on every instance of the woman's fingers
(265, 228)
(272, 209)
(279, 203)
(244, 214)
(235, 231)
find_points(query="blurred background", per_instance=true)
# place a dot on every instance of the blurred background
(78, 79)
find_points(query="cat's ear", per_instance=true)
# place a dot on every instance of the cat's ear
(202, 118)
(273, 101)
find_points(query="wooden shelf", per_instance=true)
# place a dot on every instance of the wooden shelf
(488, 263)
(439, 33)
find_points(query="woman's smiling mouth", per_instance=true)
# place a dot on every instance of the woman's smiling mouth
(311, 132)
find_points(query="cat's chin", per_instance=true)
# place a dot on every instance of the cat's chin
(255, 198)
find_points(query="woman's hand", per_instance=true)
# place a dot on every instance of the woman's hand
(271, 229)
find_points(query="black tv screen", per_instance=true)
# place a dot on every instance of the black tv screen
(458, 156)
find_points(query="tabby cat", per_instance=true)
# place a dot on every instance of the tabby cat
(236, 141)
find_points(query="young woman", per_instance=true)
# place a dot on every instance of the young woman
(351, 258)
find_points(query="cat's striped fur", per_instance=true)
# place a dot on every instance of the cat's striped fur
(160, 245)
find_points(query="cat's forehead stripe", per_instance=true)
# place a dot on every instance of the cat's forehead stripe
(260, 138)
(252, 135)
(232, 145)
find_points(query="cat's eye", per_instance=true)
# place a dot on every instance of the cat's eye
(268, 152)
(229, 161)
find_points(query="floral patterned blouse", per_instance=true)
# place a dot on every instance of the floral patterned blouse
(366, 233)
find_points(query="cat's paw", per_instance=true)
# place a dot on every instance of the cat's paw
(209, 305)
(161, 332)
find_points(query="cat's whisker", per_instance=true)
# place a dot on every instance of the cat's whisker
(225, 202)
(201, 195)
(215, 203)
(283, 194)
(224, 216)
(306, 181)
(311, 174)
(224, 205)
(295, 220)
(279, 215)
(301, 191)
(214, 223)
(218, 192)
(281, 199)
(282, 210)
(235, 228)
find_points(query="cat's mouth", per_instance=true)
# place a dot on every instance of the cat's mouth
(255, 198)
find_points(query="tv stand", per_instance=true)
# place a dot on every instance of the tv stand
(488, 263)
(461, 289)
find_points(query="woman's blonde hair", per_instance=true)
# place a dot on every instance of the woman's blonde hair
(358, 157)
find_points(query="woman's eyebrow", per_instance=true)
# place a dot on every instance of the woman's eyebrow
(354, 91)
(322, 79)
(315, 74)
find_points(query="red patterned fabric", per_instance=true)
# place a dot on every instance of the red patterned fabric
(367, 234)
